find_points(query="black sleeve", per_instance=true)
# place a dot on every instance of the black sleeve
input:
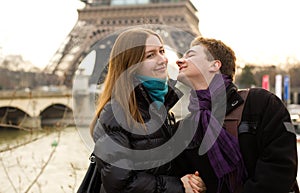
(276, 167)
(117, 179)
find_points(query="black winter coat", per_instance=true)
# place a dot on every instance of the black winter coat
(267, 142)
(127, 179)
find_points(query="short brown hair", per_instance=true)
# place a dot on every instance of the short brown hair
(217, 50)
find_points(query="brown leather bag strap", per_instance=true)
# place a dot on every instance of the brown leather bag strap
(233, 119)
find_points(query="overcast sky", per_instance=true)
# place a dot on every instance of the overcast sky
(260, 31)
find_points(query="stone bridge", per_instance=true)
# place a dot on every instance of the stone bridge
(34, 109)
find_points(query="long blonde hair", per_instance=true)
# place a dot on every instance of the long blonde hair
(128, 50)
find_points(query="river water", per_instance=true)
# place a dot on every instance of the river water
(44, 161)
(11, 138)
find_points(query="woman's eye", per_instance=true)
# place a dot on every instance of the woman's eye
(162, 51)
(150, 55)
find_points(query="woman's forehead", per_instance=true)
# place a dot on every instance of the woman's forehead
(153, 40)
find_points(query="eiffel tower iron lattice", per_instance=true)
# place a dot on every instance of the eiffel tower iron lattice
(101, 18)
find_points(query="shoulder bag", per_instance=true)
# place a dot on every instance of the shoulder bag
(91, 182)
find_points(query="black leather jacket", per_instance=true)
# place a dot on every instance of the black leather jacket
(116, 178)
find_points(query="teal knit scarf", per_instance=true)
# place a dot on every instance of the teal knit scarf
(156, 87)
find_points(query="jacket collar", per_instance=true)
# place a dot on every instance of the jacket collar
(234, 100)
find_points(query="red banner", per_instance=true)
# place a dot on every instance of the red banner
(265, 82)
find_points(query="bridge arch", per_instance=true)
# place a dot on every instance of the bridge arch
(57, 114)
(11, 115)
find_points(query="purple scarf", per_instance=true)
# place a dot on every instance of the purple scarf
(222, 148)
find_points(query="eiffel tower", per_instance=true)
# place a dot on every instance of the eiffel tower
(101, 18)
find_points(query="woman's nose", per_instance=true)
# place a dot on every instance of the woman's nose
(164, 58)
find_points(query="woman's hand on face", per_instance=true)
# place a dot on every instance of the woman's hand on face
(193, 183)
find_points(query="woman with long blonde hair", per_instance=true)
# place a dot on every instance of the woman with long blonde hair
(133, 122)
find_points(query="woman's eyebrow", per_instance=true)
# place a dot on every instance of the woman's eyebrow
(154, 49)
(149, 51)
